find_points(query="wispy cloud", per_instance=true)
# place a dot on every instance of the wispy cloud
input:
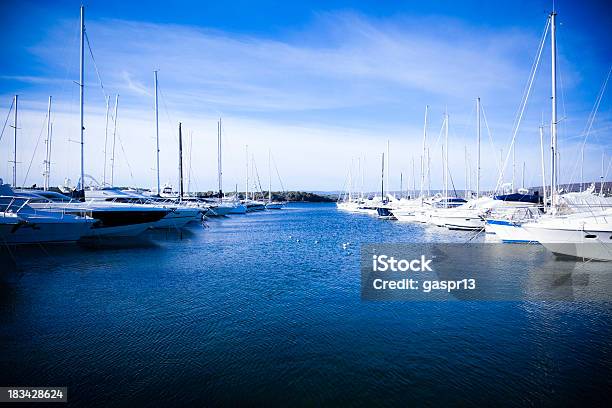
(134, 85)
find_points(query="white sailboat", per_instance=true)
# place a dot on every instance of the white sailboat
(272, 204)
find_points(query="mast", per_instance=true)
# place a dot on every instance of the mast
(388, 157)
(15, 145)
(467, 173)
(350, 186)
(82, 95)
(601, 183)
(523, 176)
(246, 190)
(582, 168)
(382, 179)
(156, 133)
(105, 139)
(543, 165)
(112, 180)
(180, 163)
(48, 145)
(428, 173)
(361, 174)
(446, 160)
(219, 164)
(269, 176)
(413, 179)
(423, 153)
(553, 124)
(401, 185)
(478, 147)
(513, 165)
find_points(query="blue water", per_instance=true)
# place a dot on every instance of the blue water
(265, 309)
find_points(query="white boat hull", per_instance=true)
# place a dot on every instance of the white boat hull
(45, 230)
(578, 240)
(179, 218)
(509, 231)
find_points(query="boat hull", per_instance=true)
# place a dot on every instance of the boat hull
(580, 241)
(45, 230)
(509, 231)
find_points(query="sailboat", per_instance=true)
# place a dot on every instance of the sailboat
(578, 224)
(250, 203)
(272, 204)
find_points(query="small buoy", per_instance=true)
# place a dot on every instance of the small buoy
(316, 241)
(290, 237)
(297, 240)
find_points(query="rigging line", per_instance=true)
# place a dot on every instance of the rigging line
(95, 65)
(484, 117)
(453, 183)
(35, 149)
(7, 118)
(163, 99)
(524, 100)
(277, 173)
(126, 159)
(258, 179)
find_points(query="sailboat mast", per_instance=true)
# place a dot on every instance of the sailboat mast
(156, 133)
(361, 175)
(543, 165)
(601, 183)
(15, 145)
(219, 163)
(388, 157)
(428, 174)
(48, 145)
(478, 147)
(82, 94)
(269, 175)
(180, 163)
(382, 179)
(446, 160)
(112, 180)
(105, 138)
(467, 174)
(246, 189)
(553, 124)
(413, 179)
(401, 185)
(423, 153)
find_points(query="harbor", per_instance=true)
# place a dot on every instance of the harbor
(200, 210)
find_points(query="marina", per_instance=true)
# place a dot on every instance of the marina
(210, 217)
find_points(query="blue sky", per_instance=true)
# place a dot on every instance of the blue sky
(321, 84)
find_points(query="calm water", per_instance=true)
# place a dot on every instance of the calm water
(253, 310)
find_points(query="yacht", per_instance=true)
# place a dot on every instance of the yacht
(178, 215)
(21, 223)
(112, 219)
(577, 235)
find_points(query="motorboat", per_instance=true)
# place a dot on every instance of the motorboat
(21, 223)
(112, 219)
(578, 236)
